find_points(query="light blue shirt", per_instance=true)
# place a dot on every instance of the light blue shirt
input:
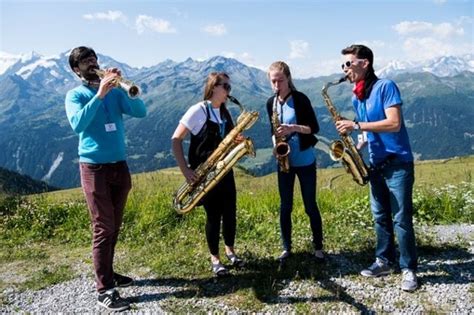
(88, 116)
(296, 156)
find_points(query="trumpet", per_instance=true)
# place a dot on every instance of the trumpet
(128, 86)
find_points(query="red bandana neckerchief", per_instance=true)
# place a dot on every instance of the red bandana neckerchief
(359, 89)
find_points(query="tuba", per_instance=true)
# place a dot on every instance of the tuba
(281, 148)
(132, 90)
(218, 164)
(344, 150)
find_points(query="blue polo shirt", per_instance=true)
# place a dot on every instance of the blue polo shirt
(384, 94)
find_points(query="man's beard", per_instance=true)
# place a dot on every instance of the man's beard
(90, 75)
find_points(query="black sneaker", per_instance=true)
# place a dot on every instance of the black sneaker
(111, 300)
(122, 281)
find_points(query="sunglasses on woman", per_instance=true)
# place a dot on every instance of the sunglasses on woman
(349, 63)
(226, 86)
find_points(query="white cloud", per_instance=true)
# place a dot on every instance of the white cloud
(439, 1)
(464, 20)
(298, 49)
(422, 40)
(244, 57)
(428, 47)
(144, 22)
(215, 29)
(108, 16)
(442, 30)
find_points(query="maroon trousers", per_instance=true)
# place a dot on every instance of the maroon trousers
(106, 188)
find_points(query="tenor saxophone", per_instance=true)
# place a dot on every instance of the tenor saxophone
(344, 150)
(218, 164)
(281, 148)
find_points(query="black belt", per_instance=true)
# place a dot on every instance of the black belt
(381, 165)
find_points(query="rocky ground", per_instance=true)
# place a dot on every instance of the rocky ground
(445, 287)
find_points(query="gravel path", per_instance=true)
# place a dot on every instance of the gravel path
(446, 280)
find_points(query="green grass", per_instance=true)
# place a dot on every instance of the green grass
(45, 239)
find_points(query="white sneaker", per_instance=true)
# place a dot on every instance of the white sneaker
(409, 280)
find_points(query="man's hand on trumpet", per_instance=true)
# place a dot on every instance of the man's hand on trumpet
(108, 81)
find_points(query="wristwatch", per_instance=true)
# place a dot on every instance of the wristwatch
(356, 126)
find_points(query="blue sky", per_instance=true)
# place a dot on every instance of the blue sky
(307, 34)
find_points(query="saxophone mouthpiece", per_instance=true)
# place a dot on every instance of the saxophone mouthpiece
(233, 99)
(343, 79)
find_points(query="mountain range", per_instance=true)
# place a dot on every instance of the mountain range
(37, 140)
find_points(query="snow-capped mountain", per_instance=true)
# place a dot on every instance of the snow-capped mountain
(52, 71)
(32, 117)
(446, 66)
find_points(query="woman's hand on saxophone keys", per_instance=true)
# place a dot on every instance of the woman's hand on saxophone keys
(239, 138)
(190, 175)
(285, 129)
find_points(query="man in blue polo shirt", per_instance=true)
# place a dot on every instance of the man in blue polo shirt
(377, 103)
(94, 110)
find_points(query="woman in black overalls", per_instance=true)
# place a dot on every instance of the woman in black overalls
(208, 122)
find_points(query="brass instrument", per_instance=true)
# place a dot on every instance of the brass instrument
(281, 148)
(132, 90)
(344, 150)
(218, 164)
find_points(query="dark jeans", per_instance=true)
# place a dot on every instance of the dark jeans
(220, 205)
(106, 188)
(391, 189)
(286, 182)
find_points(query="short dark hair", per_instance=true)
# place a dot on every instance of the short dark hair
(80, 53)
(361, 52)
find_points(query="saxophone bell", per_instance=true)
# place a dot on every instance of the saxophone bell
(128, 86)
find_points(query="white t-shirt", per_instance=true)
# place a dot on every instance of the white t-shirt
(196, 116)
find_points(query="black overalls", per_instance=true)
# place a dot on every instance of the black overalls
(220, 202)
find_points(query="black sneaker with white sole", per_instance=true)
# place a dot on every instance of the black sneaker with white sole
(112, 301)
(122, 281)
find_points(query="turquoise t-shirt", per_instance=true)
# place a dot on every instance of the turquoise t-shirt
(99, 123)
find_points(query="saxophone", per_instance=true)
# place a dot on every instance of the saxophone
(344, 150)
(281, 148)
(218, 164)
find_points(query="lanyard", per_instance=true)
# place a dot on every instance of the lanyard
(281, 105)
(220, 122)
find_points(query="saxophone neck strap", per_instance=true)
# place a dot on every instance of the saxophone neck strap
(284, 99)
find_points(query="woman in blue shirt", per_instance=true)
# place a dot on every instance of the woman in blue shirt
(298, 124)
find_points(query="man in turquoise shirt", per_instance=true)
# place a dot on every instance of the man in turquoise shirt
(95, 111)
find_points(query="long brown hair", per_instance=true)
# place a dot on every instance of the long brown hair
(213, 79)
(281, 66)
